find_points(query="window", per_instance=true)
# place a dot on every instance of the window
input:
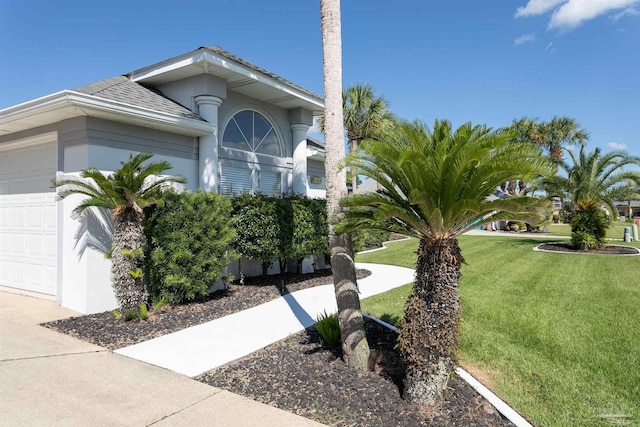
(251, 131)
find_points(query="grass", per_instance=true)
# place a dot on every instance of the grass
(556, 335)
(615, 231)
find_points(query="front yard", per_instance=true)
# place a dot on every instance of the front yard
(556, 335)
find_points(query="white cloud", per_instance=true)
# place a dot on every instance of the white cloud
(549, 48)
(537, 7)
(617, 146)
(569, 14)
(574, 12)
(630, 11)
(525, 38)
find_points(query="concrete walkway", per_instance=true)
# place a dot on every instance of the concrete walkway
(47, 378)
(200, 348)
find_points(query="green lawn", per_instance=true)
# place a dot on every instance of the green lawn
(555, 335)
(615, 231)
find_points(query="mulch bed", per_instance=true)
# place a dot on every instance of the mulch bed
(605, 250)
(104, 330)
(301, 376)
(298, 374)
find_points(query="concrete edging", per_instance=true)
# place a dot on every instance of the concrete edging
(538, 249)
(507, 411)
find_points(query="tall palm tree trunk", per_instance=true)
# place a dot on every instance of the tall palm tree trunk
(354, 342)
(430, 331)
(126, 259)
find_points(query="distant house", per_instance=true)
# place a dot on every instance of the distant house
(225, 124)
(628, 209)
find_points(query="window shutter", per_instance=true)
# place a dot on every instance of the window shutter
(235, 181)
(270, 183)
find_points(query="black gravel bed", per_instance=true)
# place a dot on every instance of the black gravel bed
(604, 250)
(104, 330)
(301, 376)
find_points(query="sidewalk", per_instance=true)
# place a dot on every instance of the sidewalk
(47, 378)
(200, 348)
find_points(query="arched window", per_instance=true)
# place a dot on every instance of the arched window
(251, 131)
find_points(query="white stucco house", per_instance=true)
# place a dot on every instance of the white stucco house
(222, 122)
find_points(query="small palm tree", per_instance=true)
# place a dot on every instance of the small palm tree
(126, 192)
(599, 177)
(365, 115)
(434, 186)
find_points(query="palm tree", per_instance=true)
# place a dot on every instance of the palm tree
(434, 186)
(558, 133)
(354, 342)
(126, 192)
(365, 115)
(599, 177)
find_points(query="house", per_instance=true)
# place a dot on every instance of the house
(223, 123)
(628, 209)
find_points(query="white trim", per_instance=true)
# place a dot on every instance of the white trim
(538, 249)
(208, 57)
(43, 138)
(497, 403)
(79, 104)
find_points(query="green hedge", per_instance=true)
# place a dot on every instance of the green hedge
(188, 241)
(282, 228)
(368, 238)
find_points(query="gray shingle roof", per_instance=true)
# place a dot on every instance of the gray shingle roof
(124, 90)
(220, 51)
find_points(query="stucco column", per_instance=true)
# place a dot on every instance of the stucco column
(208, 144)
(299, 138)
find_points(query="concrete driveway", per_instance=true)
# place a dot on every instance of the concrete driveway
(47, 378)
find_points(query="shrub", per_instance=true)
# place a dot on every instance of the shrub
(188, 244)
(589, 225)
(584, 240)
(368, 238)
(309, 231)
(328, 326)
(257, 224)
(282, 228)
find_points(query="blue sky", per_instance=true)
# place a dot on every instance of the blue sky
(484, 62)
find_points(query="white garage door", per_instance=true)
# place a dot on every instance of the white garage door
(28, 217)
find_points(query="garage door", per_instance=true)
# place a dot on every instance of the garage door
(28, 217)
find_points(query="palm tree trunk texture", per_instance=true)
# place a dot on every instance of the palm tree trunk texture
(127, 237)
(354, 342)
(430, 330)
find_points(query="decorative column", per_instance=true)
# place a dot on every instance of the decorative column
(299, 137)
(208, 144)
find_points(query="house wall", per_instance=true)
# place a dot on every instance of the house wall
(315, 168)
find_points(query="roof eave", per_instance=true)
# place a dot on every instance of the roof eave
(68, 104)
(155, 72)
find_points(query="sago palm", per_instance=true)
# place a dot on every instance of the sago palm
(434, 186)
(126, 192)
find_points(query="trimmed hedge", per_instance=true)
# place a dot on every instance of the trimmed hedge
(368, 238)
(188, 241)
(282, 228)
